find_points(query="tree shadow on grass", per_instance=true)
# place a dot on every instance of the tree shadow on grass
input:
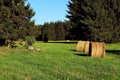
(79, 54)
(117, 52)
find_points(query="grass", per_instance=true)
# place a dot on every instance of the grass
(58, 61)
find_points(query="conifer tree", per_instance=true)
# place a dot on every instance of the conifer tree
(95, 20)
(15, 19)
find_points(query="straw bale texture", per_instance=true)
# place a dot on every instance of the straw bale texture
(97, 49)
(86, 47)
(83, 46)
(80, 46)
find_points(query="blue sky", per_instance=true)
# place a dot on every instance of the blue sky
(49, 10)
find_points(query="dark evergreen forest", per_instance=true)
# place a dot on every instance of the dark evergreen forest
(88, 20)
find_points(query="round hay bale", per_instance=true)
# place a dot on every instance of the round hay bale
(86, 47)
(83, 46)
(80, 46)
(93, 49)
(101, 49)
(97, 49)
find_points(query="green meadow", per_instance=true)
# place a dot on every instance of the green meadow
(58, 61)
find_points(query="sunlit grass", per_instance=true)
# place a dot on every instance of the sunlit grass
(58, 61)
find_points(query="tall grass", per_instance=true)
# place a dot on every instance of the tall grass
(58, 61)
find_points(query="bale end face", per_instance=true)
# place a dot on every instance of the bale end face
(97, 49)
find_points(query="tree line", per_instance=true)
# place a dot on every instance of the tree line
(54, 30)
(88, 20)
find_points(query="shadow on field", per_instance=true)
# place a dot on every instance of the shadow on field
(117, 52)
(80, 54)
(73, 50)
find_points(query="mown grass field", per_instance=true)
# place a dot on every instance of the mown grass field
(58, 61)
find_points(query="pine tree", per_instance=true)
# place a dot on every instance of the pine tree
(59, 30)
(77, 12)
(15, 19)
(55, 30)
(95, 20)
(51, 32)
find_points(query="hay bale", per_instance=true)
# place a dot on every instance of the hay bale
(93, 49)
(97, 49)
(83, 46)
(80, 46)
(86, 47)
